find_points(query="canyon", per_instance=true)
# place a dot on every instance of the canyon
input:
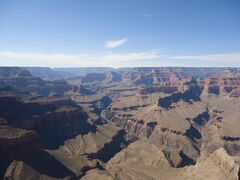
(126, 123)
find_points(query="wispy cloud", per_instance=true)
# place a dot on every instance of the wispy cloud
(226, 58)
(115, 43)
(143, 58)
(9, 58)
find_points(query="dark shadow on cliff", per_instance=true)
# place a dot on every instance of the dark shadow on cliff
(186, 161)
(53, 127)
(42, 162)
(191, 95)
(4, 163)
(46, 164)
(193, 133)
(54, 134)
(202, 118)
(100, 105)
(110, 149)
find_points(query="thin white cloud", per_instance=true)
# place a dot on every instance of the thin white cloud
(226, 58)
(144, 58)
(9, 58)
(115, 43)
(121, 57)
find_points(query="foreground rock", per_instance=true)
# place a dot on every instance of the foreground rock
(144, 160)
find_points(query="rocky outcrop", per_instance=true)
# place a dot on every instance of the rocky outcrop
(225, 82)
(49, 74)
(81, 90)
(14, 72)
(190, 94)
(157, 89)
(144, 160)
(226, 163)
(20, 79)
(112, 76)
(93, 77)
(150, 76)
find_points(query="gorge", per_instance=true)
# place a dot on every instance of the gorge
(134, 123)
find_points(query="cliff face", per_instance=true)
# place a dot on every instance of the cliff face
(81, 90)
(225, 82)
(168, 89)
(55, 119)
(16, 143)
(54, 128)
(154, 76)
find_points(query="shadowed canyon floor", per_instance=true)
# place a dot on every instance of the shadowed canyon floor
(135, 123)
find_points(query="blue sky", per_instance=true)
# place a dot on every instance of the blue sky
(63, 33)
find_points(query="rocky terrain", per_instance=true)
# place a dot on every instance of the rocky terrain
(133, 123)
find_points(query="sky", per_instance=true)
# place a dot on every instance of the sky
(120, 33)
